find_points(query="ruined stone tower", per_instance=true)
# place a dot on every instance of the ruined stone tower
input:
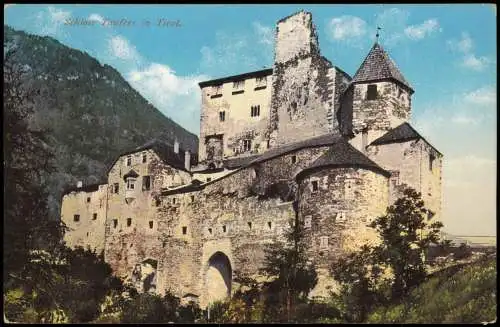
(305, 85)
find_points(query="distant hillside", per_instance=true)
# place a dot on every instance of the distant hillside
(93, 114)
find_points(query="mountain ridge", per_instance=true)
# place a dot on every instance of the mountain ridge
(92, 113)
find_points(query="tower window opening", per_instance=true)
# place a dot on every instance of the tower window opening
(371, 93)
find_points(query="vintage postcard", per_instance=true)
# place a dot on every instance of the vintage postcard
(250, 163)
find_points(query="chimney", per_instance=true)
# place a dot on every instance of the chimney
(176, 146)
(187, 160)
(79, 184)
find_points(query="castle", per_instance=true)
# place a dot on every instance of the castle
(301, 140)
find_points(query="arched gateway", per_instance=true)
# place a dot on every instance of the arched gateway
(218, 277)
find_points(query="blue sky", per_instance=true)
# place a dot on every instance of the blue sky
(447, 52)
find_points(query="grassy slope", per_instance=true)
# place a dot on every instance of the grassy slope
(459, 294)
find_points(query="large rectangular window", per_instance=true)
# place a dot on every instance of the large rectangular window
(222, 116)
(146, 183)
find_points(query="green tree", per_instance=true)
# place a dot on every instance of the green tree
(55, 286)
(292, 274)
(406, 235)
(359, 274)
(27, 157)
(151, 308)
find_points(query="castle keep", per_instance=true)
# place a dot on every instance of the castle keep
(303, 139)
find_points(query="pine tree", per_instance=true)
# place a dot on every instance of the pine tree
(293, 275)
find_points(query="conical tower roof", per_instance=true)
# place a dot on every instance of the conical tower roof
(379, 66)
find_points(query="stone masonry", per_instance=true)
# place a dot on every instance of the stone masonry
(301, 140)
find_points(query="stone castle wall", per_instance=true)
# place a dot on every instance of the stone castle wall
(409, 164)
(238, 124)
(188, 230)
(91, 207)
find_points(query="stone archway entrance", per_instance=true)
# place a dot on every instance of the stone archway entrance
(218, 277)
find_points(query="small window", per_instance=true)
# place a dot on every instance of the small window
(146, 183)
(144, 158)
(247, 145)
(173, 201)
(249, 225)
(224, 229)
(129, 160)
(269, 225)
(115, 223)
(307, 221)
(130, 183)
(129, 222)
(87, 234)
(150, 224)
(217, 90)
(192, 198)
(94, 216)
(261, 82)
(371, 93)
(116, 188)
(255, 111)
(294, 159)
(208, 179)
(76, 218)
(88, 199)
(323, 241)
(349, 189)
(431, 161)
(222, 116)
(238, 85)
(314, 185)
(210, 231)
(184, 230)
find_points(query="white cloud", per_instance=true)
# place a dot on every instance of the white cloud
(346, 27)
(475, 63)
(51, 21)
(96, 17)
(469, 60)
(394, 28)
(483, 96)
(120, 47)
(178, 97)
(418, 32)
